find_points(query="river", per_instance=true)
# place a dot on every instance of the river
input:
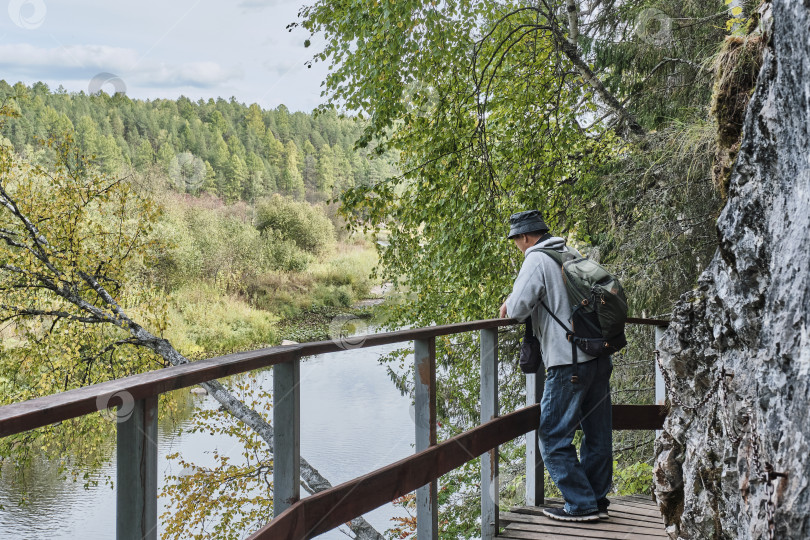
(353, 421)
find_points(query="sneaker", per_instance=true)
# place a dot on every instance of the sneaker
(561, 515)
(602, 505)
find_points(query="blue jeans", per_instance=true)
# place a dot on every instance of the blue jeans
(565, 408)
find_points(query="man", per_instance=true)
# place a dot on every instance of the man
(566, 406)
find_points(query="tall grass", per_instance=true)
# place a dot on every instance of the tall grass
(203, 322)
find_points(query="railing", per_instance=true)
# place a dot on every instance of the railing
(297, 518)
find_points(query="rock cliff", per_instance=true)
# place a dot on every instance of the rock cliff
(749, 317)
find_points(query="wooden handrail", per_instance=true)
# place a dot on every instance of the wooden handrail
(39, 412)
(331, 508)
(647, 322)
(335, 506)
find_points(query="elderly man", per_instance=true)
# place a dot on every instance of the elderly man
(567, 404)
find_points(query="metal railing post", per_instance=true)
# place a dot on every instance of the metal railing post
(287, 435)
(535, 469)
(489, 411)
(660, 386)
(427, 504)
(136, 472)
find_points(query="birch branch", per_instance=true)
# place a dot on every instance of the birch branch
(573, 21)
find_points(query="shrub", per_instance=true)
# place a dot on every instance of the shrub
(633, 479)
(283, 253)
(304, 224)
(212, 244)
(331, 296)
(284, 294)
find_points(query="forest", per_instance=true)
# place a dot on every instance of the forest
(219, 147)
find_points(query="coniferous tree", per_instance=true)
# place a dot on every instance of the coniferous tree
(122, 132)
(292, 183)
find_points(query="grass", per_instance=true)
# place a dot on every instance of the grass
(338, 281)
(204, 322)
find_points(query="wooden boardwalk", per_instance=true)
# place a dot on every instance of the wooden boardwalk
(631, 518)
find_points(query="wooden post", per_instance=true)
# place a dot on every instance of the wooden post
(287, 435)
(136, 473)
(489, 411)
(427, 504)
(660, 387)
(535, 470)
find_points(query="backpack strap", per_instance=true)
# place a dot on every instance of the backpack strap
(559, 257)
(570, 336)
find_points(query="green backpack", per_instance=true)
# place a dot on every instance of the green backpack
(598, 307)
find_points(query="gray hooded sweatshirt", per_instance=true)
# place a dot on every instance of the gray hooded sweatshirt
(540, 278)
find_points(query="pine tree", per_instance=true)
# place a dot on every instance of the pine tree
(292, 183)
(325, 170)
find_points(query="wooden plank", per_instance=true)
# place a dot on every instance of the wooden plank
(642, 499)
(427, 502)
(640, 496)
(635, 502)
(639, 416)
(287, 435)
(615, 519)
(519, 535)
(554, 536)
(648, 508)
(654, 517)
(621, 499)
(489, 411)
(328, 509)
(618, 516)
(595, 529)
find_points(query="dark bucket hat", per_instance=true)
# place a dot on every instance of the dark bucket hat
(526, 222)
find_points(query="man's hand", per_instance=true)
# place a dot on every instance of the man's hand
(503, 310)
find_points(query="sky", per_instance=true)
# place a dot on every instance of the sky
(163, 49)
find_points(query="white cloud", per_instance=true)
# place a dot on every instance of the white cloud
(76, 56)
(197, 48)
(258, 4)
(74, 60)
(197, 74)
